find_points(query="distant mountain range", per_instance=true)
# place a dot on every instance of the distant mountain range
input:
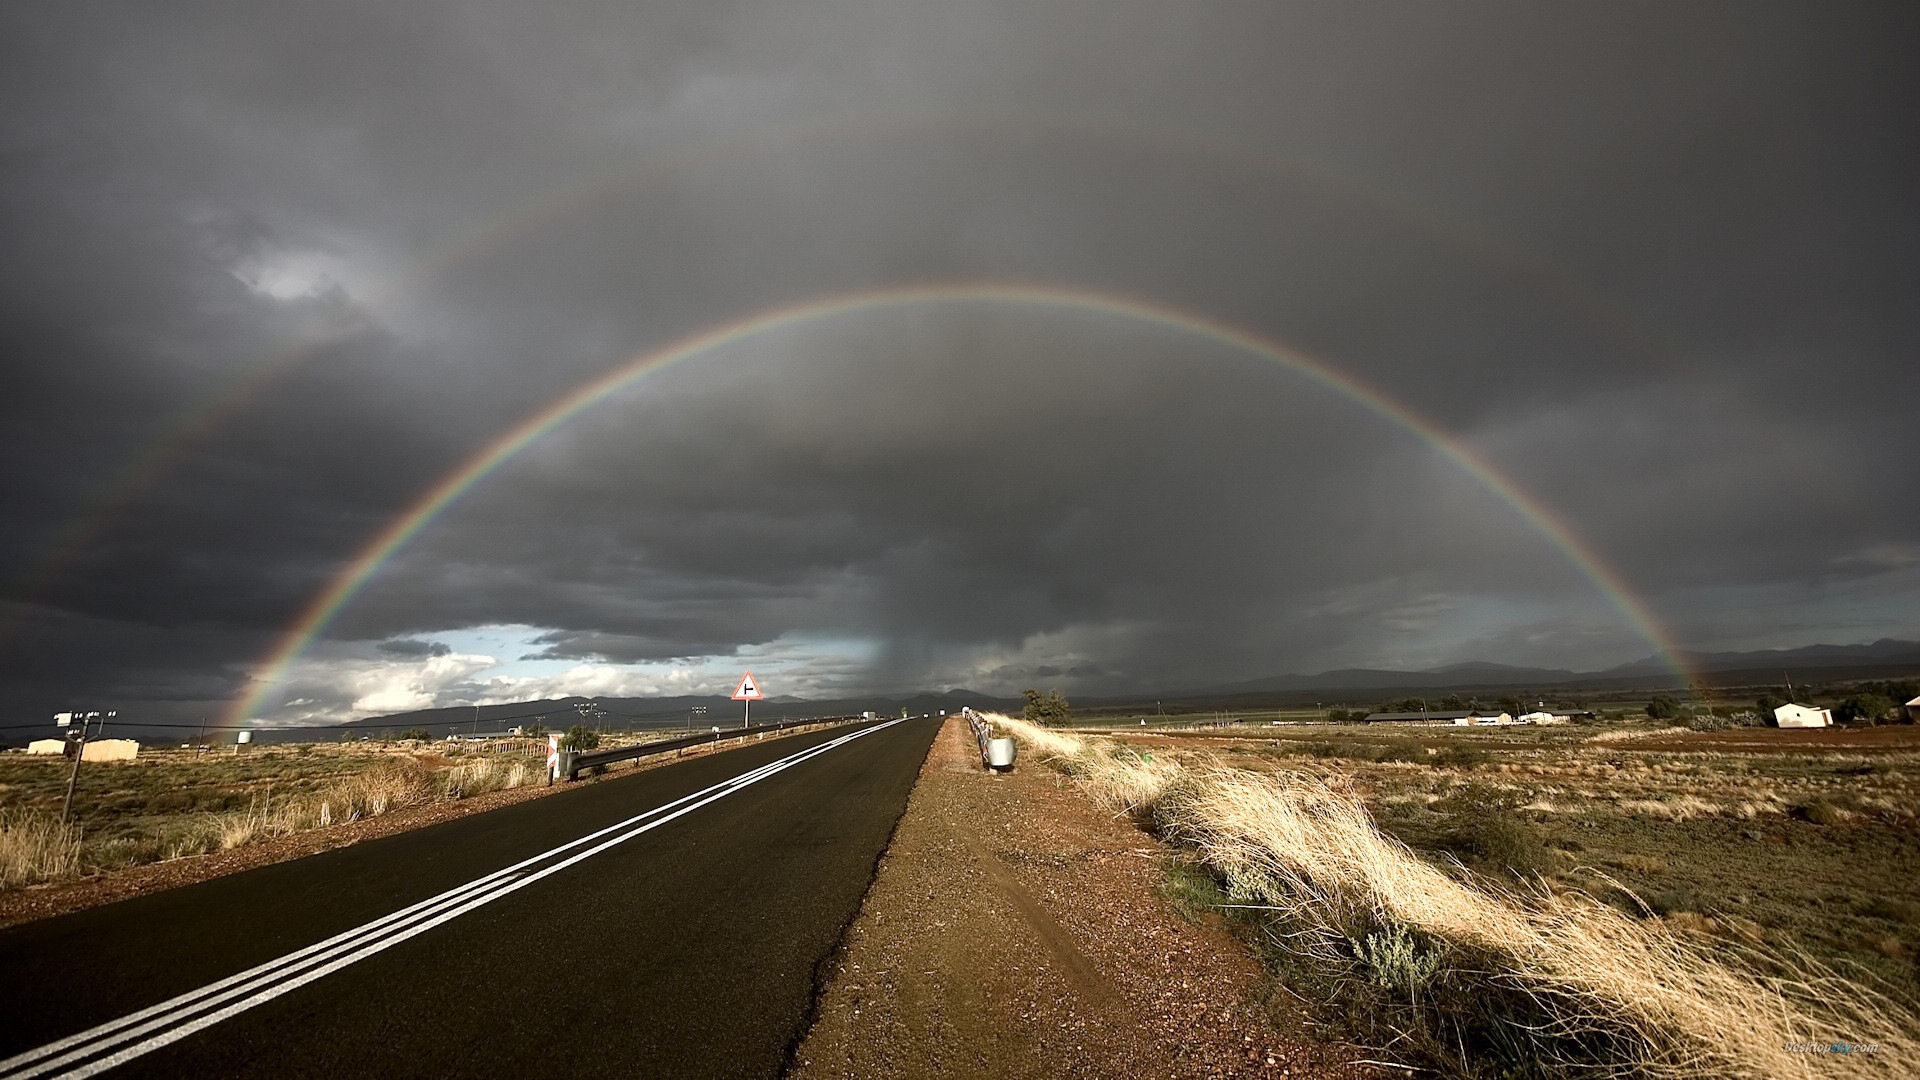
(665, 712)
(1886, 658)
(1883, 658)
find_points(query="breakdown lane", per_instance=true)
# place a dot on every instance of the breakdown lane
(678, 937)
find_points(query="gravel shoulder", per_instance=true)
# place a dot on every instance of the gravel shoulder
(1015, 930)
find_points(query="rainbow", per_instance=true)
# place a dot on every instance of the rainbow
(169, 445)
(321, 611)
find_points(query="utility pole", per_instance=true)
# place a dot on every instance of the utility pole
(79, 744)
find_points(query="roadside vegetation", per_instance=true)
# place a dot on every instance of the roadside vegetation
(1547, 905)
(173, 803)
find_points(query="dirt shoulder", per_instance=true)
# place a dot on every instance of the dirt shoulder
(1014, 930)
(58, 898)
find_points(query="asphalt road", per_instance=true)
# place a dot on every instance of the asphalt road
(680, 942)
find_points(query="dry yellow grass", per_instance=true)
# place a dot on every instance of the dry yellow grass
(389, 786)
(1296, 843)
(36, 847)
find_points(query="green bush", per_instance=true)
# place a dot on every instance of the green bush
(1407, 751)
(1398, 959)
(416, 733)
(1488, 835)
(1192, 890)
(580, 737)
(1049, 708)
(1461, 756)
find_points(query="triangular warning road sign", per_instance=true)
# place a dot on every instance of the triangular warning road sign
(748, 690)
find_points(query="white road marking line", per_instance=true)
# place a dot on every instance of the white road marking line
(363, 941)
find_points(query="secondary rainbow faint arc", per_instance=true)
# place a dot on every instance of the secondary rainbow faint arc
(164, 448)
(318, 614)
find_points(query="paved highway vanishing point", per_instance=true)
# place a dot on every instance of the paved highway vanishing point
(668, 923)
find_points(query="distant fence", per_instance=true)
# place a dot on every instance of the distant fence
(572, 762)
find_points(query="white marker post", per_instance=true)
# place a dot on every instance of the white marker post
(747, 691)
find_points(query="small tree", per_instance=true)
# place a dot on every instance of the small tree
(533, 730)
(1871, 708)
(1663, 707)
(416, 733)
(580, 737)
(1048, 708)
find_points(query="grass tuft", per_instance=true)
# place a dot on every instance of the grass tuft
(36, 847)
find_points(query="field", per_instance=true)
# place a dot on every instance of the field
(1550, 901)
(1762, 835)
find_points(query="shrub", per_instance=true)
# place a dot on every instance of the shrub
(1866, 708)
(1488, 836)
(417, 734)
(1461, 756)
(1048, 708)
(580, 737)
(1821, 812)
(1407, 751)
(1191, 890)
(1663, 707)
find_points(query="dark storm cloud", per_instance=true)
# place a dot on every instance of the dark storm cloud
(1656, 264)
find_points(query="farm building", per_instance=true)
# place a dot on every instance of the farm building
(97, 749)
(1802, 716)
(1456, 717)
(111, 750)
(1913, 710)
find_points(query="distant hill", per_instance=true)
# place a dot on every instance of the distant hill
(1884, 651)
(1885, 658)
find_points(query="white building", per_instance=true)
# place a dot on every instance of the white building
(1802, 716)
(47, 746)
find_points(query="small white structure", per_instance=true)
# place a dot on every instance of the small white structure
(1802, 716)
(1542, 718)
(97, 749)
(110, 750)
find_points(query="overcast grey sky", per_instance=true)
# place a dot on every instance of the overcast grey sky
(270, 272)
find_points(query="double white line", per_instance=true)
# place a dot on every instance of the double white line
(115, 1042)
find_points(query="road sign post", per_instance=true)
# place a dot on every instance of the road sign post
(747, 691)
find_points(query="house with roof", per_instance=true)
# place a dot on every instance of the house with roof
(1797, 716)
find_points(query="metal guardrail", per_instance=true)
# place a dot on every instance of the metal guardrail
(982, 732)
(996, 752)
(572, 762)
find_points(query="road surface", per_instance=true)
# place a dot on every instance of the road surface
(668, 923)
